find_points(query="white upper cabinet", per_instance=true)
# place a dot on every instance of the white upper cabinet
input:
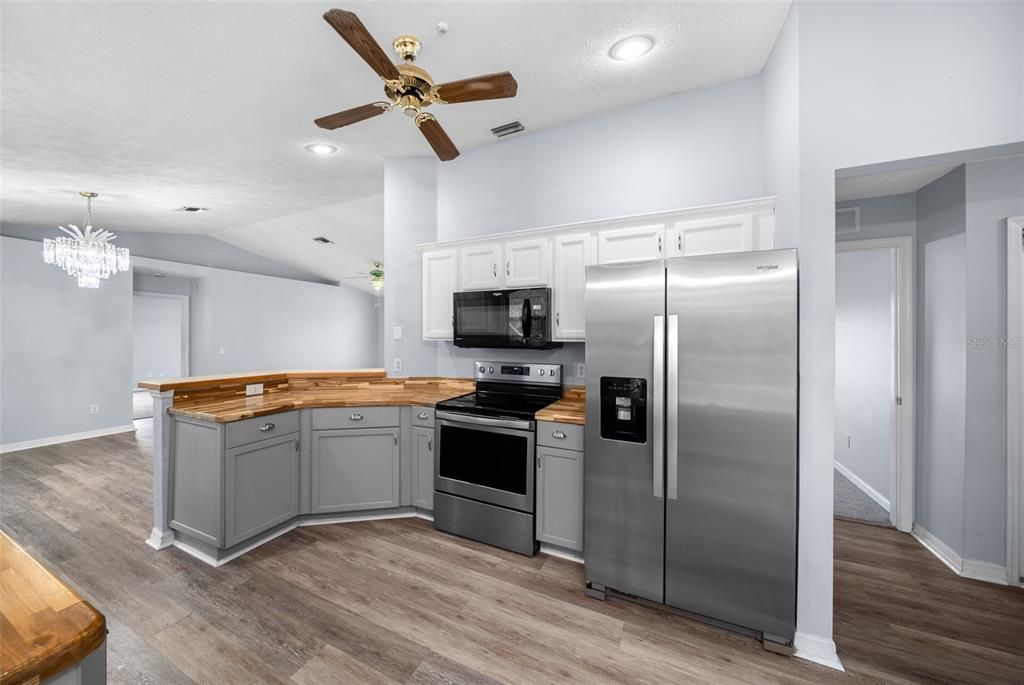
(764, 231)
(633, 244)
(710, 235)
(480, 267)
(526, 263)
(572, 255)
(440, 279)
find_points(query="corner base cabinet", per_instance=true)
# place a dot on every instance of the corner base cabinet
(261, 487)
(355, 469)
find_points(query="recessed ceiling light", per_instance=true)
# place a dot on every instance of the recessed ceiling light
(321, 149)
(631, 48)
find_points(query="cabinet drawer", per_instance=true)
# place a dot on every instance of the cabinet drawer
(261, 427)
(566, 436)
(423, 416)
(355, 417)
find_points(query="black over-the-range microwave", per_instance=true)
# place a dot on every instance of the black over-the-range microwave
(518, 319)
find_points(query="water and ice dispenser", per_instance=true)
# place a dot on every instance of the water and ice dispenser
(624, 409)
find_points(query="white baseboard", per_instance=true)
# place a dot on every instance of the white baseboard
(160, 540)
(946, 554)
(863, 486)
(820, 650)
(984, 571)
(561, 553)
(68, 437)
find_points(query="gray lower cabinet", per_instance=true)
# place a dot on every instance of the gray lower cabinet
(355, 469)
(261, 487)
(423, 468)
(560, 497)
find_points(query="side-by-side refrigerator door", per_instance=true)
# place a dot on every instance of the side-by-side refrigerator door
(624, 480)
(731, 444)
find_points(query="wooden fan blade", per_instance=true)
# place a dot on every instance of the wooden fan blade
(349, 116)
(443, 146)
(489, 87)
(355, 34)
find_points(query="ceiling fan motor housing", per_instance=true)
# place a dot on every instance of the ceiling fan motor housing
(413, 92)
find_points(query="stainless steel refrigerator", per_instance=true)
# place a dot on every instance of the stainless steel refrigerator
(690, 482)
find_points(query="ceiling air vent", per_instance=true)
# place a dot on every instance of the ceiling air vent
(508, 129)
(322, 240)
(189, 208)
(848, 220)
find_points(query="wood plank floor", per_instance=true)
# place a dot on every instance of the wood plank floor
(397, 602)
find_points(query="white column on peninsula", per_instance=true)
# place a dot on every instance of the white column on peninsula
(161, 536)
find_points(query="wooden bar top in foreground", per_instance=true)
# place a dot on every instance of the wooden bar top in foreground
(222, 398)
(45, 626)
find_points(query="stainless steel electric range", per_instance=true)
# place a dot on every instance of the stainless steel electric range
(484, 472)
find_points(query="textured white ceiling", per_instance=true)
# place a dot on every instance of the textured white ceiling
(890, 183)
(161, 104)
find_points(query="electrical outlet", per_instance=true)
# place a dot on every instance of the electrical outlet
(221, 350)
(397, 364)
(581, 370)
(94, 409)
(398, 332)
(253, 389)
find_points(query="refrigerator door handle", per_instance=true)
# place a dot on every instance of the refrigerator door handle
(658, 456)
(672, 429)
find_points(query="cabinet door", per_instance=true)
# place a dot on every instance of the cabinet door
(440, 279)
(423, 468)
(633, 244)
(764, 231)
(560, 497)
(480, 267)
(261, 484)
(355, 470)
(710, 235)
(573, 253)
(526, 263)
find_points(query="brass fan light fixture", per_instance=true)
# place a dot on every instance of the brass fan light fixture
(408, 86)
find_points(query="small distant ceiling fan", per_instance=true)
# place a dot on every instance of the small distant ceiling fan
(408, 86)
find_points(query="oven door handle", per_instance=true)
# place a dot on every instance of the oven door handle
(484, 420)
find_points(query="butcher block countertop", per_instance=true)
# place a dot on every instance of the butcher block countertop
(45, 626)
(222, 398)
(569, 409)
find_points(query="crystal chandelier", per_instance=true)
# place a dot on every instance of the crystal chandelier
(87, 254)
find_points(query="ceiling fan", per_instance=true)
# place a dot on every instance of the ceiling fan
(408, 86)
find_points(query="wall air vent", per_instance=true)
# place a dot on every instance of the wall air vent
(508, 129)
(189, 208)
(322, 240)
(848, 220)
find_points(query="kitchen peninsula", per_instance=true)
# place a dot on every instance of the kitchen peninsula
(232, 470)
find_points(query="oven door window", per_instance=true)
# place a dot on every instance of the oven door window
(493, 460)
(481, 315)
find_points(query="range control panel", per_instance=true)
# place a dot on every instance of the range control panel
(517, 372)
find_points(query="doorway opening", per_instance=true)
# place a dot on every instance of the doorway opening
(160, 339)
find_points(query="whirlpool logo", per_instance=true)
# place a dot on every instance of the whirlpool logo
(767, 267)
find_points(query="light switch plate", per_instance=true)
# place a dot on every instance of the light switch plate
(398, 332)
(581, 370)
(253, 389)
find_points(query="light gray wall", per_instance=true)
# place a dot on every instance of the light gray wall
(179, 247)
(994, 191)
(941, 361)
(263, 322)
(864, 365)
(694, 148)
(62, 348)
(410, 218)
(156, 337)
(883, 217)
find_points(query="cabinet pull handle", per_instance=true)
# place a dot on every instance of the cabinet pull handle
(266, 427)
(422, 415)
(659, 244)
(679, 241)
(395, 436)
(430, 444)
(558, 318)
(494, 269)
(508, 268)
(538, 461)
(296, 444)
(355, 417)
(558, 435)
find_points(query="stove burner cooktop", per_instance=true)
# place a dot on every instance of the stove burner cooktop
(514, 390)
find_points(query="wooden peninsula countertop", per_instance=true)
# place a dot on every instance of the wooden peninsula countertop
(45, 626)
(222, 398)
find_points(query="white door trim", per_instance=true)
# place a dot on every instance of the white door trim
(1014, 468)
(901, 513)
(184, 324)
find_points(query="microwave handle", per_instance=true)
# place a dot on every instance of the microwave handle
(527, 318)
